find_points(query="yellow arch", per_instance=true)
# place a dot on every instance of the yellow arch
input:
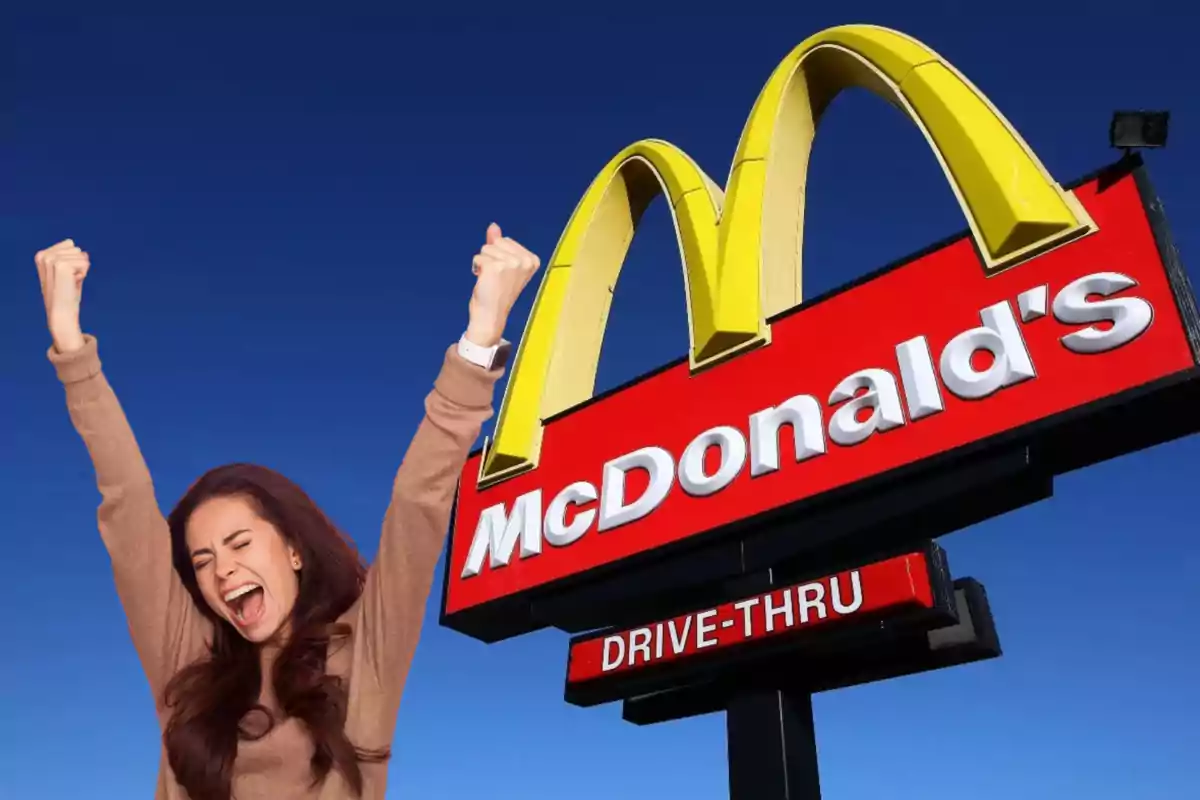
(742, 253)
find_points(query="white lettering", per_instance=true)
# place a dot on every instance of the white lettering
(919, 379)
(613, 510)
(678, 641)
(642, 646)
(744, 606)
(1130, 316)
(803, 413)
(785, 609)
(868, 401)
(999, 336)
(556, 530)
(609, 662)
(817, 601)
(856, 598)
(702, 629)
(881, 397)
(658, 640)
(692, 478)
(1032, 303)
(497, 534)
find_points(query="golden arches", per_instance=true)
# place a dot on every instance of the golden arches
(742, 252)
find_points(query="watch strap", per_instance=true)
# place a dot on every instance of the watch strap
(488, 358)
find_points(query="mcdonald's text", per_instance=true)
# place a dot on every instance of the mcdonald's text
(868, 591)
(865, 403)
(919, 360)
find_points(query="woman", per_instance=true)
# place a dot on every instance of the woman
(277, 662)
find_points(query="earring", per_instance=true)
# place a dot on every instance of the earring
(295, 563)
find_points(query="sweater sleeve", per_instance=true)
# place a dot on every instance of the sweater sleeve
(166, 628)
(388, 617)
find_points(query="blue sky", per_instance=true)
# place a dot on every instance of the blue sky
(281, 214)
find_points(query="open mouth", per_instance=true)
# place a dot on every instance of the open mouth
(246, 603)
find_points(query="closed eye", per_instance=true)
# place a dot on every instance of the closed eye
(229, 541)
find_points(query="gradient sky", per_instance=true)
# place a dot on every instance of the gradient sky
(281, 214)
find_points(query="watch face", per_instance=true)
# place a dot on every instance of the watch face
(501, 357)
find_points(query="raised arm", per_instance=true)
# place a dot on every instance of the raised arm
(165, 627)
(388, 618)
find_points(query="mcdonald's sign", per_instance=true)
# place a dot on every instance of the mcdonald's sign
(1061, 319)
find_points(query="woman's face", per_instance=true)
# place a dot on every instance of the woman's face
(247, 571)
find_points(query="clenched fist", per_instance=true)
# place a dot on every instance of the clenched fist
(62, 269)
(502, 270)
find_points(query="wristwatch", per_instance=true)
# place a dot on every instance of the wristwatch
(489, 358)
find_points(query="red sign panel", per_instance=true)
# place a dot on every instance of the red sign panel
(920, 360)
(883, 586)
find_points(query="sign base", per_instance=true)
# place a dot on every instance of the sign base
(772, 746)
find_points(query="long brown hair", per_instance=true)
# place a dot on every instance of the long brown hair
(212, 698)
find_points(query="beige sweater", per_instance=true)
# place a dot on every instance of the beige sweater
(169, 632)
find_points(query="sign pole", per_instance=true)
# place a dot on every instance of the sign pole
(772, 747)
